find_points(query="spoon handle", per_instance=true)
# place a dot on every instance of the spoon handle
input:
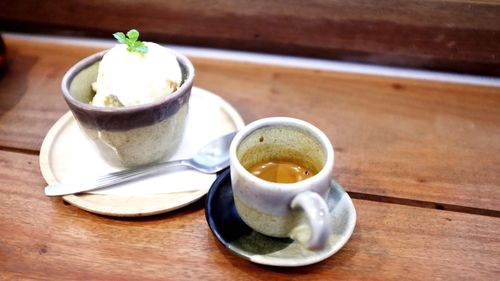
(110, 179)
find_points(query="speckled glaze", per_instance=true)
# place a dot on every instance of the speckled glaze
(268, 207)
(128, 136)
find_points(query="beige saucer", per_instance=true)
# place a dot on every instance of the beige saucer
(66, 155)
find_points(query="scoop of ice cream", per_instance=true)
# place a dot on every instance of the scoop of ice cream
(130, 78)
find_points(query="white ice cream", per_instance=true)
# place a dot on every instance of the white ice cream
(130, 78)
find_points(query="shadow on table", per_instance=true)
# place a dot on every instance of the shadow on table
(14, 82)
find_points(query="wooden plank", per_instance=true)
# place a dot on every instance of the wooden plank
(397, 138)
(423, 140)
(461, 35)
(31, 99)
(43, 238)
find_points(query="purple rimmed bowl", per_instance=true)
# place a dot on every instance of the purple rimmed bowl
(133, 135)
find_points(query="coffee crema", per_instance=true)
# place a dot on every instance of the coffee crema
(281, 171)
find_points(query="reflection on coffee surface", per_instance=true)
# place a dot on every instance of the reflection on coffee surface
(281, 171)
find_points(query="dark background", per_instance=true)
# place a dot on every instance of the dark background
(457, 36)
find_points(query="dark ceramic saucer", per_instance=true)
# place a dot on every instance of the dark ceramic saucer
(240, 239)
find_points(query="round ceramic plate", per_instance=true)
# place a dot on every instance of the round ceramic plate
(240, 239)
(67, 156)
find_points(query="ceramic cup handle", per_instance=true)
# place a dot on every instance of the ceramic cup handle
(318, 217)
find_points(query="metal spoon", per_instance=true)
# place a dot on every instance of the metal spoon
(212, 158)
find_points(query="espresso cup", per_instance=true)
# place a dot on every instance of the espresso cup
(281, 173)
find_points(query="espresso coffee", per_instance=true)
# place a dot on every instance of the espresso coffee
(281, 154)
(281, 171)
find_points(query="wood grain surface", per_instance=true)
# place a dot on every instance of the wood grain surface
(459, 35)
(42, 238)
(399, 138)
(420, 143)
(419, 157)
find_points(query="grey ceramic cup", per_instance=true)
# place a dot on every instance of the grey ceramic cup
(296, 210)
(128, 136)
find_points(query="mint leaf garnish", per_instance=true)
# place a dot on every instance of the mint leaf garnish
(120, 37)
(133, 34)
(132, 42)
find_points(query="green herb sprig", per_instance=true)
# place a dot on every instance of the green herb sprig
(134, 45)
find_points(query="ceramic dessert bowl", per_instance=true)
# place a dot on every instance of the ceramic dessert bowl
(133, 135)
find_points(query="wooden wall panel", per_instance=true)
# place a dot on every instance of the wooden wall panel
(451, 35)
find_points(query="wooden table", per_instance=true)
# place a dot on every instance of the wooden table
(421, 159)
